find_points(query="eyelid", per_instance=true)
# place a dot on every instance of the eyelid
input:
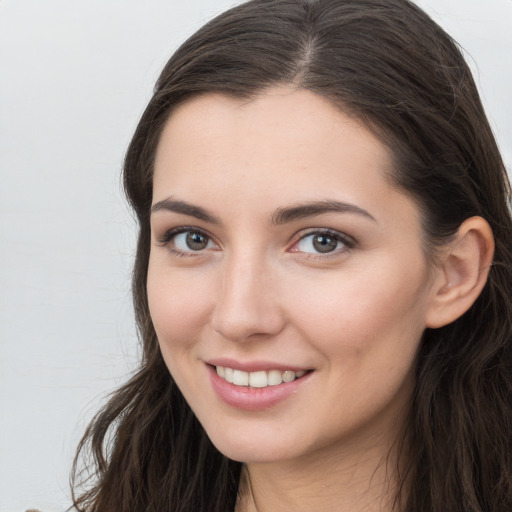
(169, 235)
(348, 242)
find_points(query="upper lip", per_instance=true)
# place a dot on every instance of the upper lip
(254, 366)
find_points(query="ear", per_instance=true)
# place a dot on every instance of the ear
(461, 273)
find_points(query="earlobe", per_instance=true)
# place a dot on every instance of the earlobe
(462, 272)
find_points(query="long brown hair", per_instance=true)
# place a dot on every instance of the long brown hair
(388, 64)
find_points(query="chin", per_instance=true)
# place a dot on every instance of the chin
(252, 449)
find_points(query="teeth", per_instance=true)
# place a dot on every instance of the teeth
(228, 374)
(240, 378)
(260, 379)
(274, 378)
(288, 376)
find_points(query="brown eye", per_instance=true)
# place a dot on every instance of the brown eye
(324, 243)
(196, 241)
(182, 240)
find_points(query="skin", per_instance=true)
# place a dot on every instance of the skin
(258, 292)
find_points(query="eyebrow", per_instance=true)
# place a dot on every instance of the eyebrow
(172, 205)
(280, 216)
(300, 211)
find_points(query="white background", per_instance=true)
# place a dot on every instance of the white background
(74, 79)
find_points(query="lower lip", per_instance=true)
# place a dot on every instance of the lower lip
(254, 399)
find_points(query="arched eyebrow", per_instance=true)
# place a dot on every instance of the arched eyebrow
(176, 206)
(280, 216)
(310, 209)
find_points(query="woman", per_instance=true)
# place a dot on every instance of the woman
(322, 275)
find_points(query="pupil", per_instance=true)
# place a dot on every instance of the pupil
(196, 241)
(324, 243)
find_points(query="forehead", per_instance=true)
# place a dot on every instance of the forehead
(282, 126)
(281, 147)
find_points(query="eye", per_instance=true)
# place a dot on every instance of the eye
(185, 240)
(323, 242)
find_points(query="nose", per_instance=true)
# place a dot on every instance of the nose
(248, 301)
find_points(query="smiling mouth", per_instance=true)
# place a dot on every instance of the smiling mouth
(260, 379)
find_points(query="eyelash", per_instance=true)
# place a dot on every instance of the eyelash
(348, 242)
(171, 234)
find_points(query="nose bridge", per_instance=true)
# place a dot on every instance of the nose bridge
(247, 302)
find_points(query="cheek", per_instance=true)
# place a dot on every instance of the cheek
(379, 312)
(178, 305)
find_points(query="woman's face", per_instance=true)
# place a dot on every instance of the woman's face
(283, 259)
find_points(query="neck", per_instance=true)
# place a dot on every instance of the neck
(341, 480)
